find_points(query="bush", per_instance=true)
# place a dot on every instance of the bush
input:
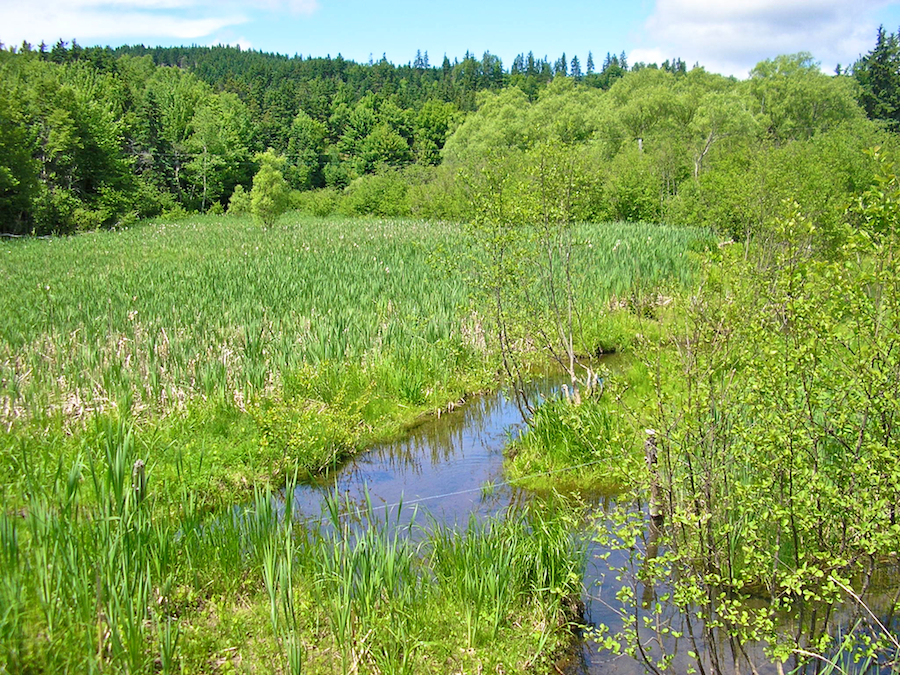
(239, 204)
(381, 195)
(435, 194)
(319, 203)
(269, 197)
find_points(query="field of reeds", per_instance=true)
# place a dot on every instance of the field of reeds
(155, 316)
(152, 375)
(93, 578)
(242, 351)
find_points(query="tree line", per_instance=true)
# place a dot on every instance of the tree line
(99, 137)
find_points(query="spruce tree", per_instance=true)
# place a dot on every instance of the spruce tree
(575, 70)
(878, 73)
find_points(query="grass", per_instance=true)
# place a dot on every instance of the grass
(226, 360)
(95, 578)
(240, 352)
(159, 315)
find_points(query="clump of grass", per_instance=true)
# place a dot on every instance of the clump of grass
(592, 443)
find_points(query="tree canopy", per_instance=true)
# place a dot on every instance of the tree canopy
(96, 137)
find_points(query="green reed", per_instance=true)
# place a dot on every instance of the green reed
(300, 342)
(158, 315)
(100, 573)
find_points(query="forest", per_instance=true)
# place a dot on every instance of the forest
(100, 137)
(665, 303)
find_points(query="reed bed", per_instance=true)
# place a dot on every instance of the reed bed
(156, 316)
(161, 314)
(95, 577)
(143, 372)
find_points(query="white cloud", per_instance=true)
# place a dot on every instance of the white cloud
(295, 6)
(732, 36)
(121, 20)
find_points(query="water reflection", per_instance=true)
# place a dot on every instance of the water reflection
(697, 647)
(449, 467)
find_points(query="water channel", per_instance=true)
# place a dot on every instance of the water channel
(451, 467)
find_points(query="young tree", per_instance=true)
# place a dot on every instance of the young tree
(269, 196)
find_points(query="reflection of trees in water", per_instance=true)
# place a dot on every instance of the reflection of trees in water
(440, 439)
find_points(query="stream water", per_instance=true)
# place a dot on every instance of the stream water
(451, 467)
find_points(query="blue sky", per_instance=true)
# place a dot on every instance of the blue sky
(723, 36)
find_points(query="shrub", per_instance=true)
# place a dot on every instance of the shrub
(269, 197)
(381, 195)
(239, 204)
(319, 203)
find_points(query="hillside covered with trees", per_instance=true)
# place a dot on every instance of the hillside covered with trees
(101, 137)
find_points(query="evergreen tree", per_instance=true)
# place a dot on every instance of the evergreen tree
(561, 67)
(590, 64)
(878, 73)
(518, 65)
(575, 69)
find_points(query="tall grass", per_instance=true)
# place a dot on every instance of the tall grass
(155, 316)
(176, 357)
(160, 314)
(97, 577)
(243, 352)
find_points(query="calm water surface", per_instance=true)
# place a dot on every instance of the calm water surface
(451, 467)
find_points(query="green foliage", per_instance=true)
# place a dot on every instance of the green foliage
(878, 208)
(383, 195)
(220, 135)
(319, 203)
(239, 203)
(269, 197)
(776, 438)
(306, 148)
(307, 436)
(114, 136)
(18, 171)
(436, 194)
(795, 100)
